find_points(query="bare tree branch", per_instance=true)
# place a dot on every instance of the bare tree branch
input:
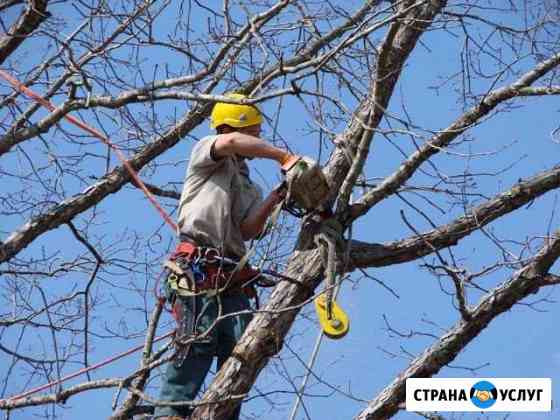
(445, 137)
(378, 255)
(396, 48)
(32, 17)
(523, 283)
(331, 78)
(110, 184)
(4, 4)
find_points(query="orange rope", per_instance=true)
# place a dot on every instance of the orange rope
(82, 371)
(47, 104)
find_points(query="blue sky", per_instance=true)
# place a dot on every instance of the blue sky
(520, 343)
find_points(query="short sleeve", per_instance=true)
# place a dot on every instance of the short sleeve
(202, 155)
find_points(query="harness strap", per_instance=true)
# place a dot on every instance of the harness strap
(198, 270)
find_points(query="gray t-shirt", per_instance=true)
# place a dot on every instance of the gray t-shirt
(217, 196)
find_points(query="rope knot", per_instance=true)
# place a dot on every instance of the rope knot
(326, 239)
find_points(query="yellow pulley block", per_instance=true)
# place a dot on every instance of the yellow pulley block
(338, 325)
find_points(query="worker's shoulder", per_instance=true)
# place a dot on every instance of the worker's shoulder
(202, 159)
(202, 151)
(204, 142)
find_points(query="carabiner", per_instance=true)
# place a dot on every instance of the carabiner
(211, 255)
(198, 272)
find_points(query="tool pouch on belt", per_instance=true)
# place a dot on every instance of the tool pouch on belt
(307, 184)
(185, 327)
(184, 307)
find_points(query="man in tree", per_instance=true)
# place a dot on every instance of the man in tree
(220, 209)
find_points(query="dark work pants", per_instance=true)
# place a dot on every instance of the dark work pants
(183, 383)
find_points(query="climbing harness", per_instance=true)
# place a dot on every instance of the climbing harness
(195, 271)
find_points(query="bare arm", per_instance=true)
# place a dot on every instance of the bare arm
(253, 225)
(247, 146)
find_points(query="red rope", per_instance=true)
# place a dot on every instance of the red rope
(83, 370)
(47, 104)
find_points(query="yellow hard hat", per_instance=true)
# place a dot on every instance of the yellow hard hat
(235, 115)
